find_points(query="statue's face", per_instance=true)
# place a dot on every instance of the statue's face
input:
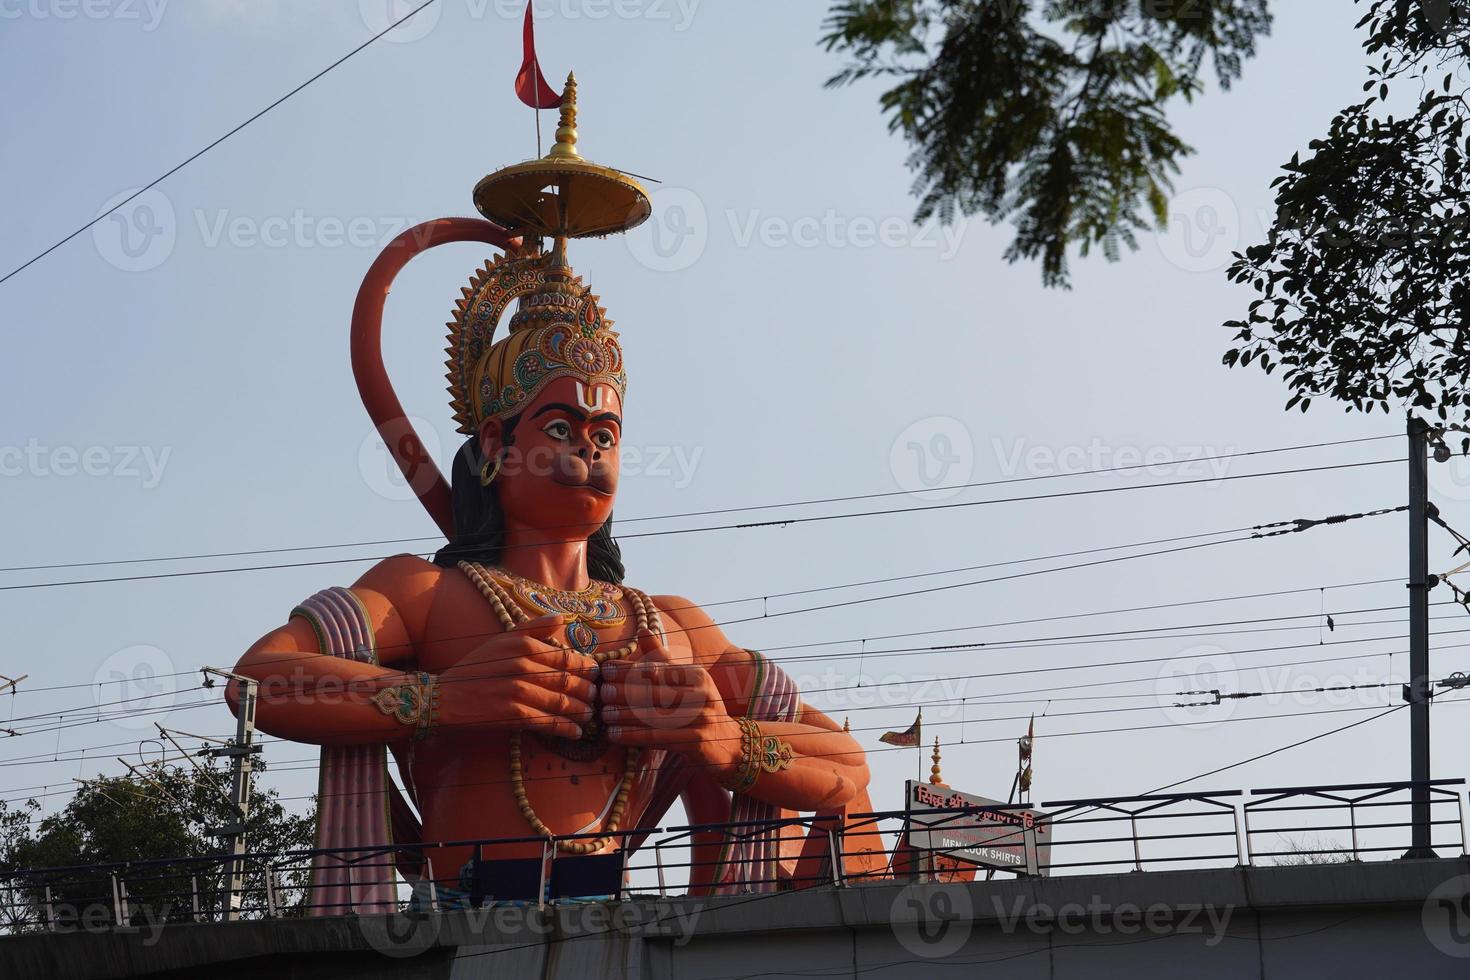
(561, 465)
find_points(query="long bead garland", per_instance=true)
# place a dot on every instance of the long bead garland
(511, 615)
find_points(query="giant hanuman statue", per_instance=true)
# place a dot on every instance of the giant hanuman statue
(523, 688)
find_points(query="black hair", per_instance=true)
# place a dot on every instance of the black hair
(479, 521)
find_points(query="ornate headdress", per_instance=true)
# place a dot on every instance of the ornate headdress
(558, 330)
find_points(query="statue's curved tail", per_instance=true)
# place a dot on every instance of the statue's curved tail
(382, 404)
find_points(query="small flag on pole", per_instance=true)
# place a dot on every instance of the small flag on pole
(908, 739)
(1024, 746)
(531, 84)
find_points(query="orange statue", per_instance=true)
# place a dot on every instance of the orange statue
(523, 689)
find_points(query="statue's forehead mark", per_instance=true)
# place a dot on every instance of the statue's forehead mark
(589, 400)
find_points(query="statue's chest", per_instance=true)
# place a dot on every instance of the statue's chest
(602, 621)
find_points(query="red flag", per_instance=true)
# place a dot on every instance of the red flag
(530, 81)
(910, 738)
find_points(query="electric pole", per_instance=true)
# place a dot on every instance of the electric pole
(239, 751)
(1418, 691)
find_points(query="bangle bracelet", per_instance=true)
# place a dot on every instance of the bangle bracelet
(759, 753)
(415, 704)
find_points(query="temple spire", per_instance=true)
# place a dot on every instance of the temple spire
(934, 777)
(566, 130)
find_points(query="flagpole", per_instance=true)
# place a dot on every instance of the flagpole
(538, 109)
(919, 744)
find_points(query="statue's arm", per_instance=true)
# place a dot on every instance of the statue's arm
(828, 769)
(307, 696)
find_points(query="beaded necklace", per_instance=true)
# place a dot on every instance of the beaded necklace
(511, 614)
(597, 605)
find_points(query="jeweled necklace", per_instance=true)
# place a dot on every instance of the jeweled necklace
(512, 614)
(595, 606)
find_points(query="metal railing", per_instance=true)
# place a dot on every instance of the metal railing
(1135, 833)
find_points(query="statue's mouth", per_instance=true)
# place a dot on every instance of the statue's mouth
(592, 483)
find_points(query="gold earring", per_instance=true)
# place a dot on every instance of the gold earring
(488, 475)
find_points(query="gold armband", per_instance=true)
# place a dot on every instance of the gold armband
(759, 753)
(415, 704)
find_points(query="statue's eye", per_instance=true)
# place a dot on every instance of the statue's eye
(558, 430)
(604, 439)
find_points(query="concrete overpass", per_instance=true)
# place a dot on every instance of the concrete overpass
(1392, 918)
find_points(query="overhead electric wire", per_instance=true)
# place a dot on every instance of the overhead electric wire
(892, 636)
(48, 758)
(942, 588)
(779, 522)
(199, 153)
(531, 777)
(1013, 643)
(99, 718)
(702, 513)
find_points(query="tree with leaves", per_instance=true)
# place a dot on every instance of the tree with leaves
(154, 824)
(1364, 278)
(1049, 114)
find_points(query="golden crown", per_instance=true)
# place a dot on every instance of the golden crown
(558, 329)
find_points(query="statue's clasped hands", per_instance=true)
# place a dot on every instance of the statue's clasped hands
(522, 679)
(652, 700)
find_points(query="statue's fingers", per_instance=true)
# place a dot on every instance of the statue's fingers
(553, 702)
(651, 648)
(547, 629)
(557, 660)
(647, 672)
(545, 724)
(657, 696)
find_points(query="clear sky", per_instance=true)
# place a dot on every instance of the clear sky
(177, 381)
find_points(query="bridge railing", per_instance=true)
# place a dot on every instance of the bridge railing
(1361, 822)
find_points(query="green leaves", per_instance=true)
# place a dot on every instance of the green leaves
(1049, 115)
(156, 813)
(1362, 279)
